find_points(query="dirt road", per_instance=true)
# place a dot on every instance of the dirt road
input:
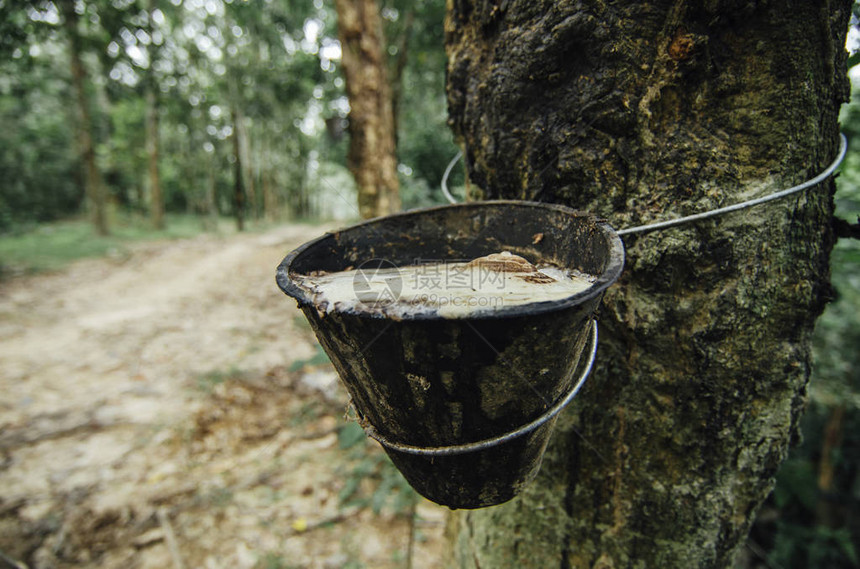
(169, 408)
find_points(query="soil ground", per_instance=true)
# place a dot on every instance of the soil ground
(168, 407)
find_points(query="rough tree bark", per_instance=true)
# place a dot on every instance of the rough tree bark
(639, 112)
(94, 187)
(372, 147)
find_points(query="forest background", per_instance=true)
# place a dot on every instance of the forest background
(124, 120)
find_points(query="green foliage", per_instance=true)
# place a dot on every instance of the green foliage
(796, 481)
(307, 412)
(350, 435)
(802, 526)
(37, 165)
(816, 546)
(267, 69)
(319, 358)
(206, 382)
(274, 561)
(838, 330)
(371, 480)
(127, 148)
(218, 69)
(15, 26)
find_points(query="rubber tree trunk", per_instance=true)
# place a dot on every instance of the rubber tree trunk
(640, 112)
(156, 199)
(94, 187)
(399, 68)
(239, 200)
(211, 197)
(372, 147)
(247, 166)
(270, 197)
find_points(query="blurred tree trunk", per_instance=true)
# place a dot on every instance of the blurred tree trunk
(639, 112)
(239, 201)
(156, 199)
(372, 147)
(270, 198)
(398, 68)
(300, 200)
(247, 166)
(95, 191)
(210, 199)
(828, 511)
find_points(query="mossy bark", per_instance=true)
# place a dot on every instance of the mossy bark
(640, 112)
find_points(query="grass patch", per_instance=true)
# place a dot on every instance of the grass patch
(51, 246)
(319, 358)
(274, 561)
(307, 413)
(206, 382)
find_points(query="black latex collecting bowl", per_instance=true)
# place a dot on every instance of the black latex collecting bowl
(433, 383)
(542, 233)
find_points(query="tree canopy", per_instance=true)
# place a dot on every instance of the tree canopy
(266, 73)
